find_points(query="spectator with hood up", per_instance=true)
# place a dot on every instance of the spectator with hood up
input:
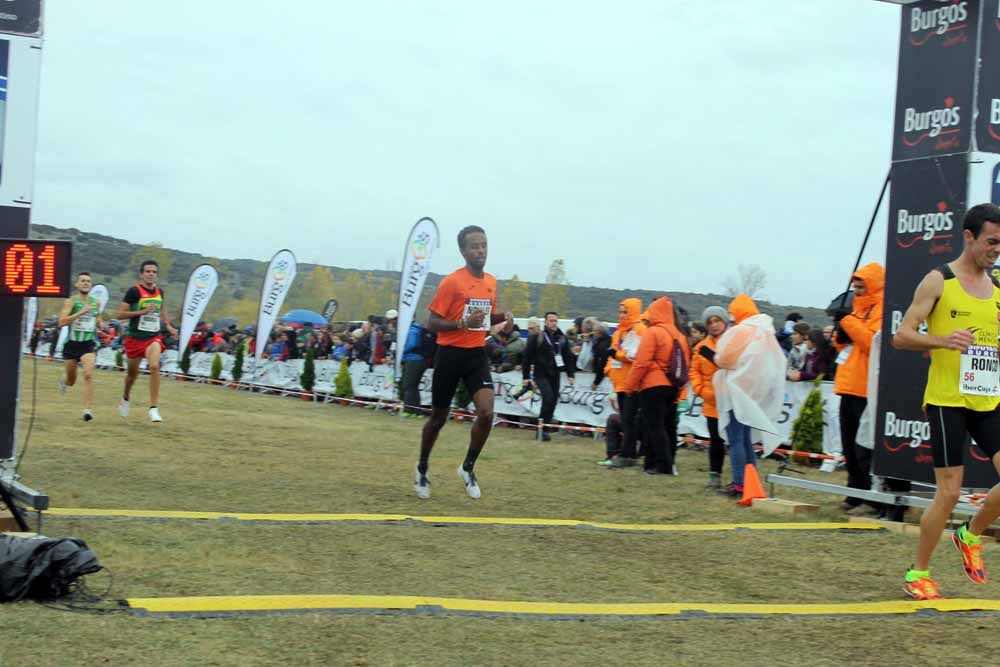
(749, 386)
(624, 344)
(853, 340)
(659, 373)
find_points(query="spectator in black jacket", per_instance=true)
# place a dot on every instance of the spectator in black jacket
(600, 346)
(546, 356)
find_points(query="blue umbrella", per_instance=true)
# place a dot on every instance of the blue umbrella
(302, 317)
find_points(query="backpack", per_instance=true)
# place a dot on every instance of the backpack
(678, 367)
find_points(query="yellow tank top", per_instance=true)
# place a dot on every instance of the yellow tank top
(970, 379)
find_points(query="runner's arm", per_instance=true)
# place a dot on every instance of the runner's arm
(125, 314)
(166, 319)
(908, 336)
(64, 317)
(436, 323)
(130, 299)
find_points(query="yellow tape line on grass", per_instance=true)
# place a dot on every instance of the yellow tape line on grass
(372, 603)
(456, 520)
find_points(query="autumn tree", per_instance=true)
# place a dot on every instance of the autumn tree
(317, 287)
(554, 296)
(515, 297)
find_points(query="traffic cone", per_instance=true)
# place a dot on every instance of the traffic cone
(752, 487)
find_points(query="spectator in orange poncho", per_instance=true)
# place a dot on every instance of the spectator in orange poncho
(749, 386)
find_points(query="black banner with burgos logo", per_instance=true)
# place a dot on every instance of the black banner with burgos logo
(926, 206)
(988, 122)
(935, 84)
(21, 17)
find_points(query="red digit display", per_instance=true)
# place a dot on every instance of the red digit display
(35, 268)
(19, 268)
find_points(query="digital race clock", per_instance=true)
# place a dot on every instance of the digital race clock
(29, 267)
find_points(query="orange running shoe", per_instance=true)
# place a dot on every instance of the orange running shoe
(924, 588)
(972, 555)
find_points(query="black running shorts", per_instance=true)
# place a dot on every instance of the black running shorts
(951, 428)
(73, 350)
(459, 364)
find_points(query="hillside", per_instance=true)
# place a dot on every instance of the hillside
(115, 261)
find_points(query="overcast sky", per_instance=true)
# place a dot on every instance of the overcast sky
(652, 145)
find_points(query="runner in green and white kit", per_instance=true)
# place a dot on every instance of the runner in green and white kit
(82, 314)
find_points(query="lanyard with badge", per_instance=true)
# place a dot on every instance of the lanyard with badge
(557, 346)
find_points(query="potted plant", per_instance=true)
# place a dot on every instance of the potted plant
(185, 364)
(237, 370)
(308, 377)
(216, 367)
(342, 387)
(807, 429)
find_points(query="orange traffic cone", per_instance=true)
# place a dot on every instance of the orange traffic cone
(752, 487)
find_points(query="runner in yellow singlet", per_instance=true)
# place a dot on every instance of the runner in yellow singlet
(960, 302)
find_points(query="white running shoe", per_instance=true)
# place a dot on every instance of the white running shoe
(421, 483)
(62, 386)
(154, 415)
(123, 407)
(471, 483)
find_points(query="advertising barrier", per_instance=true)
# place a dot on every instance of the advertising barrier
(578, 404)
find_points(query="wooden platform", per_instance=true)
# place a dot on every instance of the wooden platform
(7, 522)
(781, 506)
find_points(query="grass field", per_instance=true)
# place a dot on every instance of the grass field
(228, 451)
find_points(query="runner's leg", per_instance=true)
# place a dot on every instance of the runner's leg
(990, 509)
(70, 365)
(443, 385)
(483, 400)
(89, 361)
(935, 518)
(153, 366)
(131, 373)
(429, 434)
(984, 427)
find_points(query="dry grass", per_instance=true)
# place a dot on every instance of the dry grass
(223, 451)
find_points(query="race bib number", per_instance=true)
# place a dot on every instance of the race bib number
(979, 371)
(615, 363)
(149, 323)
(844, 355)
(473, 305)
(84, 324)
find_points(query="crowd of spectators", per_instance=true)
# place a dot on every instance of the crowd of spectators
(648, 359)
